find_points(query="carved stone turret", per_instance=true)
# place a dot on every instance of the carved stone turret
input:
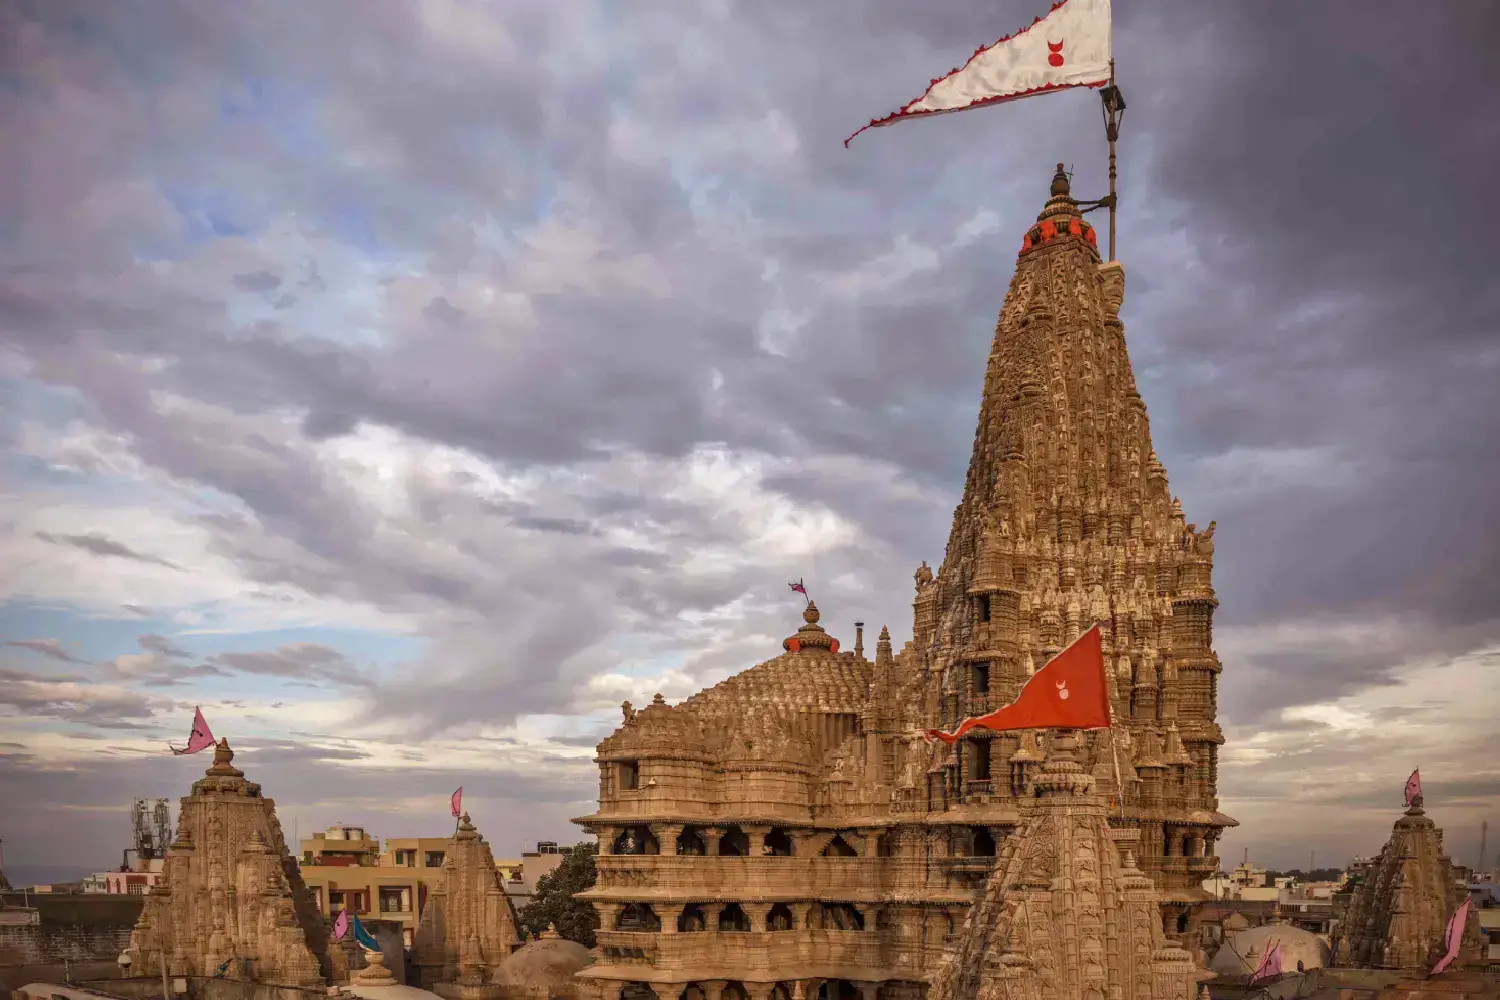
(1066, 915)
(231, 898)
(1398, 917)
(469, 925)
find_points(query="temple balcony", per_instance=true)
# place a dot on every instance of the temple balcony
(763, 956)
(629, 877)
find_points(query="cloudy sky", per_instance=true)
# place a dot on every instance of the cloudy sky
(407, 383)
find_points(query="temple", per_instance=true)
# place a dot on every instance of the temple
(1398, 916)
(231, 901)
(469, 925)
(788, 832)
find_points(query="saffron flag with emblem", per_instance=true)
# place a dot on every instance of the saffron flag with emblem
(199, 738)
(1069, 47)
(1413, 787)
(1070, 692)
(341, 925)
(1454, 939)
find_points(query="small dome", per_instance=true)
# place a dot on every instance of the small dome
(545, 967)
(1242, 952)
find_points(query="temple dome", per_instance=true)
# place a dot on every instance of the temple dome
(1241, 952)
(544, 967)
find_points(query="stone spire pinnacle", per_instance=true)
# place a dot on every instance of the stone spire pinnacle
(469, 924)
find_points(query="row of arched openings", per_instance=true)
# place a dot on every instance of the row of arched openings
(734, 843)
(732, 917)
(832, 989)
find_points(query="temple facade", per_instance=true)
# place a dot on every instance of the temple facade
(789, 832)
(231, 901)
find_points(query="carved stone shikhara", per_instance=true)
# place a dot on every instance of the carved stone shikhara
(469, 925)
(788, 831)
(1398, 916)
(231, 898)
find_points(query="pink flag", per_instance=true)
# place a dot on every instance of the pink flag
(1413, 788)
(799, 588)
(1455, 937)
(1270, 965)
(341, 925)
(458, 801)
(200, 738)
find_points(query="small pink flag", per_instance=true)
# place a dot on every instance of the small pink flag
(1455, 937)
(341, 925)
(1413, 788)
(1270, 965)
(200, 738)
(458, 802)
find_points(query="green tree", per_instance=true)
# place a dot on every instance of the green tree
(552, 899)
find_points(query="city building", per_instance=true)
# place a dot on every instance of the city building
(790, 828)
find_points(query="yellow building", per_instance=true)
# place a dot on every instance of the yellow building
(345, 868)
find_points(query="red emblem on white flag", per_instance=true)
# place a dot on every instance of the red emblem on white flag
(1031, 61)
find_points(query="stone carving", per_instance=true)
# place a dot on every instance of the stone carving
(469, 925)
(228, 865)
(1066, 520)
(1398, 916)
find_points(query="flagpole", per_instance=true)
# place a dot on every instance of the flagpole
(1114, 108)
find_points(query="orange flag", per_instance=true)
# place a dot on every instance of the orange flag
(1070, 692)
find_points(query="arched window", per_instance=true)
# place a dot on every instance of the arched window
(734, 843)
(637, 917)
(635, 840)
(690, 842)
(778, 844)
(984, 843)
(733, 918)
(838, 847)
(779, 918)
(692, 919)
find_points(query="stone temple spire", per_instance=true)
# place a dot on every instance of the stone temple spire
(231, 896)
(469, 925)
(1066, 915)
(1398, 917)
(1066, 521)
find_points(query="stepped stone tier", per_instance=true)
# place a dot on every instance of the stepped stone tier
(789, 829)
(1067, 915)
(469, 926)
(1398, 917)
(231, 896)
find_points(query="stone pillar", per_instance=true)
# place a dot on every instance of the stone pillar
(666, 836)
(608, 914)
(669, 914)
(607, 836)
(711, 836)
(757, 912)
(759, 991)
(669, 991)
(713, 989)
(756, 834)
(871, 846)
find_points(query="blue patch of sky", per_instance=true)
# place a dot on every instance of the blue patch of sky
(83, 636)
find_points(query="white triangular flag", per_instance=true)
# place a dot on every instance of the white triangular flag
(1070, 47)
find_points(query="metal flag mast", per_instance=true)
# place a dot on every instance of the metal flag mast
(1114, 110)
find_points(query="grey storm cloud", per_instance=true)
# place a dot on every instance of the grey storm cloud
(50, 648)
(100, 545)
(1310, 307)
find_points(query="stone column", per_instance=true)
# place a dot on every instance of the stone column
(713, 989)
(666, 836)
(756, 833)
(757, 912)
(759, 991)
(669, 914)
(711, 836)
(669, 991)
(871, 846)
(608, 914)
(607, 836)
